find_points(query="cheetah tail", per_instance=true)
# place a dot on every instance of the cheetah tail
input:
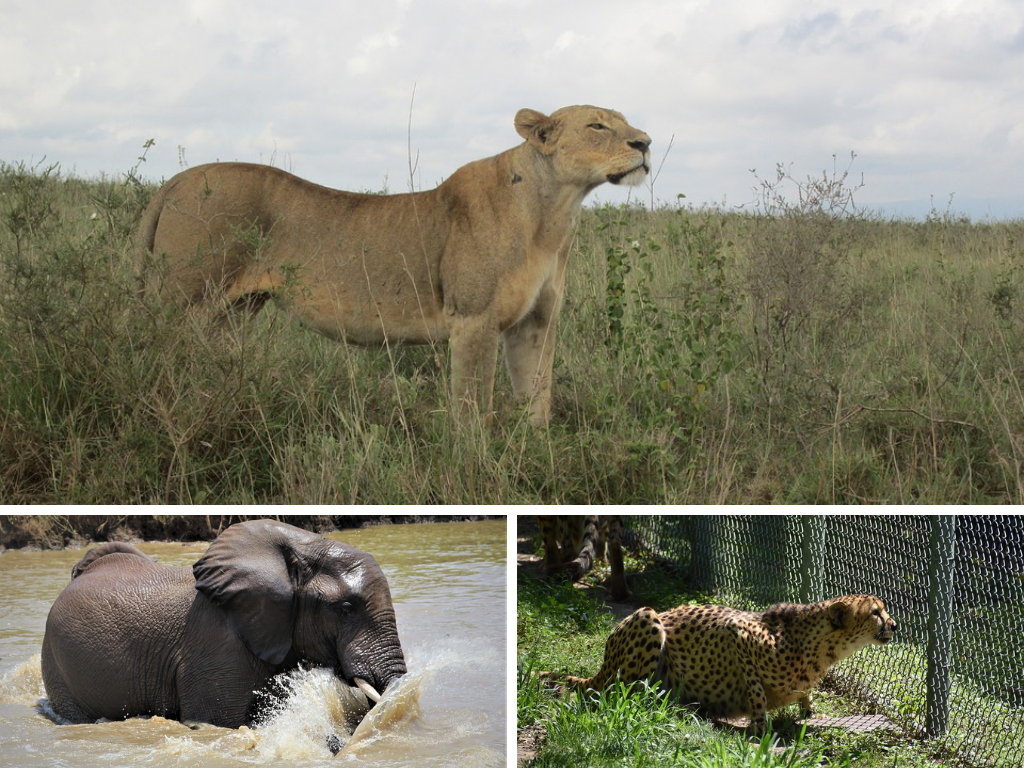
(559, 681)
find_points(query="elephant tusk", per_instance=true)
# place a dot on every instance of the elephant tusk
(365, 687)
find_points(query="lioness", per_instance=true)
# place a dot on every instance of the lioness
(481, 256)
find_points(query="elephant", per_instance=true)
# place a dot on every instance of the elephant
(129, 637)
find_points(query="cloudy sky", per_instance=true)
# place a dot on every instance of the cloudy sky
(927, 93)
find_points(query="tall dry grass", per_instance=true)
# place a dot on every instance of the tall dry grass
(796, 353)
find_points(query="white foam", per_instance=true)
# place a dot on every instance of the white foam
(23, 684)
(316, 707)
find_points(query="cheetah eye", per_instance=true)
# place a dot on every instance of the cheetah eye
(877, 613)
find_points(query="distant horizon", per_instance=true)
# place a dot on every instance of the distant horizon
(1005, 209)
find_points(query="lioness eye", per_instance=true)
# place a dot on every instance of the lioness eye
(598, 127)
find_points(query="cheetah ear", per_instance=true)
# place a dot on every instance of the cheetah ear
(838, 613)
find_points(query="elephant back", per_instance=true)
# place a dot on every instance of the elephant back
(108, 646)
(94, 556)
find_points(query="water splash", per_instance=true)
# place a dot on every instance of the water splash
(312, 705)
(315, 706)
(399, 706)
(404, 732)
(24, 683)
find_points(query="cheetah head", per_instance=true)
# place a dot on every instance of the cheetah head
(863, 617)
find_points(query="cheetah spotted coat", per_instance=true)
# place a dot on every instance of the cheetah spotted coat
(736, 663)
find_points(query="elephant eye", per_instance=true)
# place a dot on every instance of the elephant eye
(346, 608)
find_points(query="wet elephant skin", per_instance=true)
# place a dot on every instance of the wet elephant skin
(130, 637)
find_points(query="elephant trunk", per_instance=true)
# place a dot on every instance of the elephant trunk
(388, 669)
(375, 660)
(375, 684)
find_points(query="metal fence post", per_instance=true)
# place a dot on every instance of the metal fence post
(812, 548)
(710, 550)
(942, 546)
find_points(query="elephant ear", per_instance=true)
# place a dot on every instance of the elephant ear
(250, 572)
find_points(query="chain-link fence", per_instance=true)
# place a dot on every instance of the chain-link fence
(953, 584)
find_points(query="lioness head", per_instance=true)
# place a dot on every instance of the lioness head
(588, 145)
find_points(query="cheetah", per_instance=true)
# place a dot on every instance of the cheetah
(573, 542)
(734, 663)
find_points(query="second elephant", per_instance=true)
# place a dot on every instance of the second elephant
(129, 637)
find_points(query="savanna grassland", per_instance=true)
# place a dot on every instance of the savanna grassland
(794, 352)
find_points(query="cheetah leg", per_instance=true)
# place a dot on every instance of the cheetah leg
(583, 540)
(806, 708)
(618, 580)
(589, 548)
(552, 546)
(755, 690)
(634, 651)
(758, 706)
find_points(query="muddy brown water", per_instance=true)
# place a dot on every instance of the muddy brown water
(449, 589)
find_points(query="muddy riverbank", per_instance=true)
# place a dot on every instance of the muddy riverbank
(76, 531)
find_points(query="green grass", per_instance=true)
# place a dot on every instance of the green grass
(983, 728)
(563, 628)
(789, 355)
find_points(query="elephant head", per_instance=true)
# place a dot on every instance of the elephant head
(296, 596)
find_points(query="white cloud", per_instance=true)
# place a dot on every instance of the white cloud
(370, 50)
(565, 40)
(926, 91)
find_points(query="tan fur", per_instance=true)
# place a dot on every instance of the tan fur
(479, 258)
(738, 663)
(572, 543)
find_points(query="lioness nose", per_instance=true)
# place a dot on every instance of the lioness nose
(641, 143)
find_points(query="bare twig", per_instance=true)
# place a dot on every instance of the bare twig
(413, 165)
(931, 419)
(654, 177)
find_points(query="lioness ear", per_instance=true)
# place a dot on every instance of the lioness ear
(534, 126)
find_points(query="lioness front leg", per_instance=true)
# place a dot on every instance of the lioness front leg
(530, 355)
(474, 350)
